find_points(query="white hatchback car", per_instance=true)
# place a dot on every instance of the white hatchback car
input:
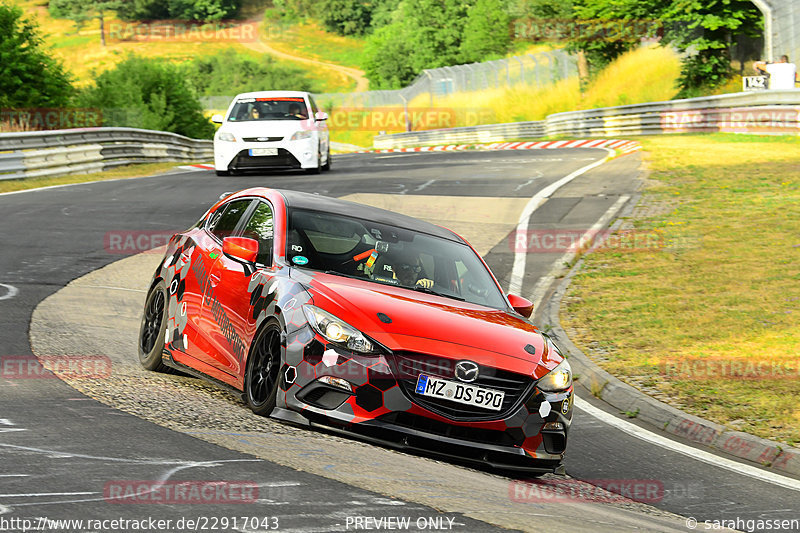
(271, 130)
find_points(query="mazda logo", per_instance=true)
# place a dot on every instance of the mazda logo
(262, 139)
(466, 371)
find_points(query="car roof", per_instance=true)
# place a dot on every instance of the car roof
(316, 202)
(267, 94)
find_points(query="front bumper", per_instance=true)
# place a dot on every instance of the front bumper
(379, 409)
(291, 154)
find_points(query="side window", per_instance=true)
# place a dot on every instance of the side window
(259, 227)
(313, 106)
(224, 220)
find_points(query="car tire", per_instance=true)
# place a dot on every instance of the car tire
(263, 368)
(153, 328)
(327, 165)
(223, 172)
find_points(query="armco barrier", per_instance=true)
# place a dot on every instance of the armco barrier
(767, 112)
(59, 152)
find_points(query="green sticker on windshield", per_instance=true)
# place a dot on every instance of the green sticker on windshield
(300, 260)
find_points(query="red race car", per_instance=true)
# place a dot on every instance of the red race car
(331, 313)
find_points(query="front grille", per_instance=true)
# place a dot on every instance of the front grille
(262, 139)
(408, 366)
(284, 159)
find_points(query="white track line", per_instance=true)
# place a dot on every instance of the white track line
(695, 453)
(588, 236)
(518, 270)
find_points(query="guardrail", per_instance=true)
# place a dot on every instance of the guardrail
(60, 152)
(767, 112)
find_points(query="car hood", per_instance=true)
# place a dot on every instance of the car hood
(416, 315)
(266, 128)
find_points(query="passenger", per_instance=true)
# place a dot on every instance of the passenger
(782, 75)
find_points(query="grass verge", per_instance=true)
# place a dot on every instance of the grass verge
(128, 171)
(708, 321)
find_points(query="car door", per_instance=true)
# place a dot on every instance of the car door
(224, 222)
(227, 302)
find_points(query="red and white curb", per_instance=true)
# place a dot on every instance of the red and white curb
(197, 167)
(621, 146)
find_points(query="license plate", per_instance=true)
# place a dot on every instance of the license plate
(459, 392)
(263, 151)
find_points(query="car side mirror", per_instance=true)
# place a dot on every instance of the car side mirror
(521, 305)
(241, 249)
(321, 115)
(217, 119)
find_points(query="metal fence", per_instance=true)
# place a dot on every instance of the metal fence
(60, 152)
(544, 68)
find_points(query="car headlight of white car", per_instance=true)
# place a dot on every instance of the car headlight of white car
(225, 136)
(302, 135)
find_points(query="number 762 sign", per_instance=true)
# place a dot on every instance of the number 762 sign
(754, 83)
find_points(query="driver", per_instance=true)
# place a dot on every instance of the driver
(294, 109)
(254, 114)
(407, 269)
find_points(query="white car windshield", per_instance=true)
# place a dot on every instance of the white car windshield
(364, 249)
(274, 108)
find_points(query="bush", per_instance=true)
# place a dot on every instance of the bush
(29, 76)
(228, 74)
(149, 94)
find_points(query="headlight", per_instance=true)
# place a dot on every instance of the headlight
(558, 379)
(301, 135)
(225, 136)
(336, 330)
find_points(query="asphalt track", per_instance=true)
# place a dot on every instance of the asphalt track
(56, 442)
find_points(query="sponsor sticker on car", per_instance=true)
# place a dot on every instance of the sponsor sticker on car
(460, 392)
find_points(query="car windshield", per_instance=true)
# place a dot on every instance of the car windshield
(275, 108)
(388, 255)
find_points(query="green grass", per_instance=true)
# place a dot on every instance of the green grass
(310, 40)
(724, 288)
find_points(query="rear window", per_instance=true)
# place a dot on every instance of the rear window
(277, 108)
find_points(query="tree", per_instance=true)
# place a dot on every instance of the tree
(206, 10)
(29, 76)
(81, 11)
(150, 94)
(388, 60)
(227, 73)
(346, 17)
(423, 34)
(487, 31)
(703, 31)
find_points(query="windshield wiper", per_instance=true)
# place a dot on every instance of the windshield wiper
(426, 290)
(335, 273)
